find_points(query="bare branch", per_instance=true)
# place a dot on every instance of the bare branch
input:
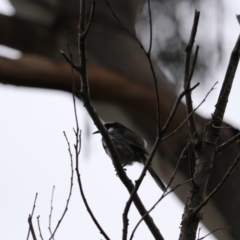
(70, 190)
(31, 227)
(127, 30)
(81, 188)
(77, 132)
(69, 60)
(194, 110)
(175, 107)
(227, 143)
(199, 230)
(166, 193)
(205, 149)
(87, 99)
(188, 76)
(226, 87)
(238, 18)
(158, 201)
(85, 93)
(34, 205)
(178, 162)
(90, 19)
(215, 230)
(148, 55)
(193, 67)
(159, 133)
(39, 228)
(230, 171)
(150, 27)
(50, 215)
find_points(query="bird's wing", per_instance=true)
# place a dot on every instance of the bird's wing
(134, 139)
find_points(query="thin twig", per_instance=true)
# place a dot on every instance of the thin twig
(126, 29)
(215, 230)
(31, 227)
(199, 230)
(230, 171)
(71, 63)
(51, 210)
(194, 110)
(39, 228)
(147, 53)
(193, 67)
(175, 107)
(177, 165)
(90, 19)
(70, 190)
(34, 205)
(82, 191)
(190, 160)
(50, 215)
(150, 27)
(158, 201)
(227, 143)
(166, 193)
(188, 76)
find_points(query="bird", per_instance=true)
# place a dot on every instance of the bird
(130, 147)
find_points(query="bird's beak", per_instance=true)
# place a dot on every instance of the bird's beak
(96, 132)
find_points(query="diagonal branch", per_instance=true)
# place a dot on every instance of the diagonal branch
(227, 143)
(194, 110)
(85, 93)
(155, 204)
(31, 227)
(77, 147)
(175, 107)
(188, 76)
(39, 228)
(90, 19)
(215, 230)
(34, 205)
(205, 153)
(50, 215)
(230, 171)
(70, 191)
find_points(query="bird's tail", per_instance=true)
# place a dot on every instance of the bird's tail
(157, 179)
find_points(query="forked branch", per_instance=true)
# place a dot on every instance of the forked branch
(205, 149)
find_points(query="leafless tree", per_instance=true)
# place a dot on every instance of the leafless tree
(116, 74)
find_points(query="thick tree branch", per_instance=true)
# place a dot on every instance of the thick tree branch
(205, 154)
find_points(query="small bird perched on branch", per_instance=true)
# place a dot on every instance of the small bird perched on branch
(130, 147)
